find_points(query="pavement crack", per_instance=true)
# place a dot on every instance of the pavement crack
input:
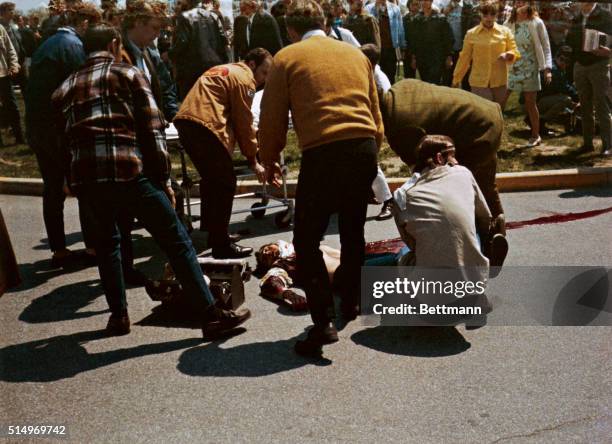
(549, 428)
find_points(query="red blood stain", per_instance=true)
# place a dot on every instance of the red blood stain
(556, 218)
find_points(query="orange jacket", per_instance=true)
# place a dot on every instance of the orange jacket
(220, 100)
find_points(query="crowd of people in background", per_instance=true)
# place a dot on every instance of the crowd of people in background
(440, 41)
(174, 67)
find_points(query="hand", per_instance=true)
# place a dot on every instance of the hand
(506, 56)
(449, 62)
(66, 190)
(547, 76)
(603, 51)
(14, 70)
(273, 174)
(170, 193)
(259, 171)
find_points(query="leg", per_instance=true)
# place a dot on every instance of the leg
(151, 206)
(585, 93)
(388, 63)
(11, 111)
(532, 111)
(104, 202)
(313, 207)
(356, 176)
(53, 193)
(485, 93)
(600, 79)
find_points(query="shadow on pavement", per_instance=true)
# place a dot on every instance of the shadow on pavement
(247, 360)
(64, 303)
(425, 342)
(596, 192)
(63, 357)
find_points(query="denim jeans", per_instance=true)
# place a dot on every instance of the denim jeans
(147, 202)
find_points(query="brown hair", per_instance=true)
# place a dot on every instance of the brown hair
(304, 16)
(489, 8)
(429, 146)
(5, 6)
(80, 12)
(257, 55)
(143, 10)
(531, 12)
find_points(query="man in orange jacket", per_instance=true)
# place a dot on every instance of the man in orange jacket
(215, 114)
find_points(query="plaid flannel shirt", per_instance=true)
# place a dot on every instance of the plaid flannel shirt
(113, 129)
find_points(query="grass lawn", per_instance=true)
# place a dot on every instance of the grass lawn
(555, 152)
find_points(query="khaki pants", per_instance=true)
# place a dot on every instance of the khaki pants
(593, 83)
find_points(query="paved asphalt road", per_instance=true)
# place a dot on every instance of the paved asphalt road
(161, 384)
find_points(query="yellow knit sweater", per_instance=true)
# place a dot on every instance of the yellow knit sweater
(329, 87)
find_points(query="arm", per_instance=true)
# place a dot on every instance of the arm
(278, 40)
(511, 48)
(168, 87)
(400, 25)
(182, 38)
(464, 61)
(241, 98)
(375, 109)
(274, 118)
(483, 214)
(12, 58)
(375, 30)
(149, 130)
(545, 42)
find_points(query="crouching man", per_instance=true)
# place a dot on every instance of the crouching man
(115, 139)
(442, 215)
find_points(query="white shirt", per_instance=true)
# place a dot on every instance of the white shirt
(382, 81)
(345, 35)
(312, 33)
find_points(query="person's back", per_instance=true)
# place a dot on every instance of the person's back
(52, 63)
(110, 105)
(329, 101)
(439, 214)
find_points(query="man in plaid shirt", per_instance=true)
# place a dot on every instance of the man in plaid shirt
(114, 134)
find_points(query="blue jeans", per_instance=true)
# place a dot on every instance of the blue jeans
(147, 202)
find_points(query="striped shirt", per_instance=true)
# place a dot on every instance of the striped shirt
(113, 129)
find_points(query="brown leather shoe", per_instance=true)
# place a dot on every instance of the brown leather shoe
(318, 336)
(118, 325)
(218, 322)
(385, 211)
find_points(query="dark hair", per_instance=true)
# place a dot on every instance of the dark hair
(81, 12)
(5, 6)
(429, 146)
(372, 52)
(97, 38)
(304, 16)
(531, 12)
(257, 55)
(489, 7)
(565, 51)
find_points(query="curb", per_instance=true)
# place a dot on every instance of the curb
(583, 177)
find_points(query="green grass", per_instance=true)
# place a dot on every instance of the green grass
(554, 153)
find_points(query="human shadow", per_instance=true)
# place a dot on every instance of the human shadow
(424, 342)
(71, 239)
(62, 357)
(37, 273)
(247, 360)
(64, 303)
(583, 298)
(584, 192)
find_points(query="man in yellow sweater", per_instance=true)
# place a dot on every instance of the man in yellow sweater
(329, 88)
(215, 114)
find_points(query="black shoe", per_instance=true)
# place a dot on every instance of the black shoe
(232, 251)
(385, 211)
(235, 237)
(318, 336)
(499, 250)
(134, 278)
(118, 325)
(219, 323)
(349, 311)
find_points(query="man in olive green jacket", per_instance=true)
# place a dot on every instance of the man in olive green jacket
(412, 109)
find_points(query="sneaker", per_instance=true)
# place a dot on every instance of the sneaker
(218, 322)
(118, 325)
(534, 141)
(385, 211)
